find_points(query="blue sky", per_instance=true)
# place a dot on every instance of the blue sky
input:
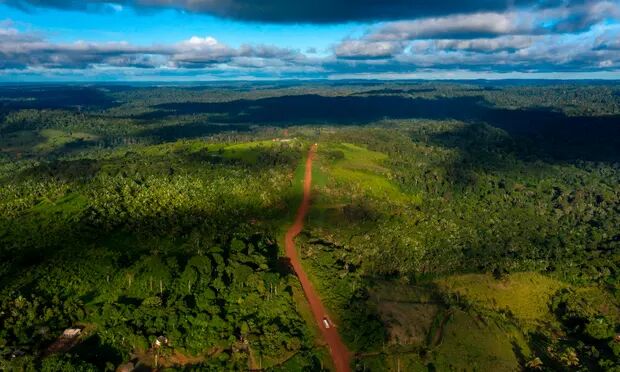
(169, 26)
(277, 39)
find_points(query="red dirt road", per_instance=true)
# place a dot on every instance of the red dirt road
(339, 352)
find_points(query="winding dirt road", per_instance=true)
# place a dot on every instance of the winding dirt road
(339, 352)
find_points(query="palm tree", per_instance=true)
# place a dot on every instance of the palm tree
(534, 364)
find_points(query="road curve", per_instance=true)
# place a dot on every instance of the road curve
(339, 352)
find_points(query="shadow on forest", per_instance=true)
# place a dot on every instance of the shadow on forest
(30, 241)
(20, 97)
(555, 134)
(35, 237)
(62, 170)
(130, 164)
(193, 130)
(481, 147)
(157, 135)
(318, 109)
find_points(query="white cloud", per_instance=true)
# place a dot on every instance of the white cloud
(367, 49)
(576, 38)
(486, 44)
(456, 25)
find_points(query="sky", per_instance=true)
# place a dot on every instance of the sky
(206, 40)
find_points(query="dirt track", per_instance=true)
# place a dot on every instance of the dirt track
(339, 352)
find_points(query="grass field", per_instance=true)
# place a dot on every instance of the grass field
(524, 295)
(359, 169)
(470, 344)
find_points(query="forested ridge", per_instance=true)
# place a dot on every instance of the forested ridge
(453, 225)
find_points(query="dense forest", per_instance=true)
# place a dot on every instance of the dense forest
(454, 225)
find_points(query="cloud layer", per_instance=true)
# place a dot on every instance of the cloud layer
(580, 37)
(555, 36)
(27, 50)
(307, 11)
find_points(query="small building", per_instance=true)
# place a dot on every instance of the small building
(71, 332)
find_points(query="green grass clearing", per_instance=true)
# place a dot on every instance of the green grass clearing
(358, 170)
(467, 344)
(526, 295)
